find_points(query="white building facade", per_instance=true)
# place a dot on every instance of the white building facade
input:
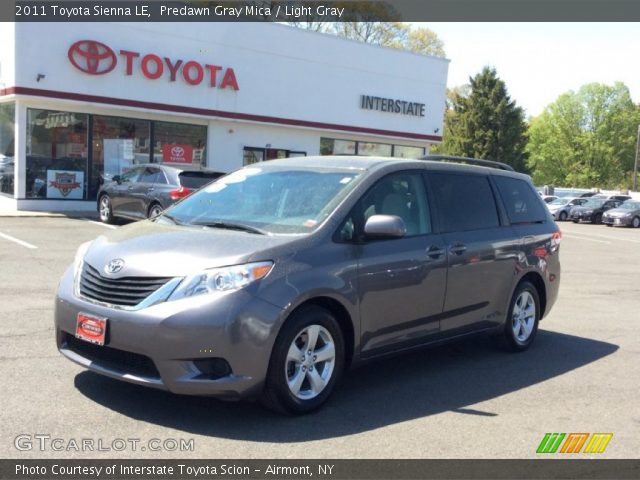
(82, 102)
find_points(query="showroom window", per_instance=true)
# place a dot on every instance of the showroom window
(370, 149)
(335, 146)
(253, 155)
(57, 158)
(179, 143)
(332, 146)
(117, 144)
(402, 151)
(7, 134)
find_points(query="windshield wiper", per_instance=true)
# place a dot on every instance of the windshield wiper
(231, 226)
(173, 219)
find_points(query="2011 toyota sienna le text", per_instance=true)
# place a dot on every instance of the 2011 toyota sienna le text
(271, 280)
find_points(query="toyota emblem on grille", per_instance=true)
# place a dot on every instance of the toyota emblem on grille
(114, 266)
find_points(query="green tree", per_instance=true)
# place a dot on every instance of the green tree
(483, 122)
(585, 138)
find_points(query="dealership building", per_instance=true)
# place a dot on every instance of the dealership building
(82, 102)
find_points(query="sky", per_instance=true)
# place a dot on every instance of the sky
(540, 61)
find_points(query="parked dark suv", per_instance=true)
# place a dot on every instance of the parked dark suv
(272, 280)
(146, 190)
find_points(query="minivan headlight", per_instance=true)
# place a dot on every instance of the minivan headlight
(77, 262)
(221, 279)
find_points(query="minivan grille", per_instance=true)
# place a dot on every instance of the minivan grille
(126, 291)
(112, 358)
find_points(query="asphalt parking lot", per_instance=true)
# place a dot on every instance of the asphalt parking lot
(459, 401)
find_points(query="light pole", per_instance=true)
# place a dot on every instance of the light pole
(635, 166)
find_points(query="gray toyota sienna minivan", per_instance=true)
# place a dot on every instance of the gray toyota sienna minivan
(273, 279)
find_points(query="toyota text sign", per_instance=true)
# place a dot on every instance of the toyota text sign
(96, 58)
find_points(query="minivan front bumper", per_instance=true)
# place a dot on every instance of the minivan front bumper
(165, 345)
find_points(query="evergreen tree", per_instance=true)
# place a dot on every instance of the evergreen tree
(486, 123)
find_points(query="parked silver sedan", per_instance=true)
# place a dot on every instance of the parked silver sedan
(626, 215)
(560, 207)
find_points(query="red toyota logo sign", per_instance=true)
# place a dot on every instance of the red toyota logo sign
(92, 57)
(177, 152)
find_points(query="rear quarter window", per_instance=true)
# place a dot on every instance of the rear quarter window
(465, 202)
(521, 202)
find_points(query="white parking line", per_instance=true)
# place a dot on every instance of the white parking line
(17, 240)
(570, 235)
(105, 225)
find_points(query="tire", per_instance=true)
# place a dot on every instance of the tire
(520, 329)
(154, 210)
(563, 216)
(635, 223)
(597, 220)
(609, 225)
(290, 387)
(105, 210)
(575, 221)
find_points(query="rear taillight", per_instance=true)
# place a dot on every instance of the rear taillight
(555, 240)
(179, 193)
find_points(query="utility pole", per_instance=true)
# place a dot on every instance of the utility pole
(635, 167)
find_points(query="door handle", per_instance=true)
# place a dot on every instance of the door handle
(150, 189)
(434, 252)
(458, 249)
(130, 187)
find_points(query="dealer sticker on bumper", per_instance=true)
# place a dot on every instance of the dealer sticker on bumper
(91, 329)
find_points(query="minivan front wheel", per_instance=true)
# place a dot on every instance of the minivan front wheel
(307, 360)
(522, 322)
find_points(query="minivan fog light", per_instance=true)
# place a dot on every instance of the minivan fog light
(221, 279)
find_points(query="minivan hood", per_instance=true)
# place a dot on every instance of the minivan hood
(151, 249)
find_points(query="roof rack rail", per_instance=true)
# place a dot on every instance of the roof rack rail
(471, 161)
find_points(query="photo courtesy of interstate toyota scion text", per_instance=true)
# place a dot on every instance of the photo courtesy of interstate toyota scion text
(272, 280)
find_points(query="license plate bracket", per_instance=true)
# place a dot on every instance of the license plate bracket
(91, 328)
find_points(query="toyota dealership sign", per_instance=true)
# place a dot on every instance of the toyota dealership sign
(96, 58)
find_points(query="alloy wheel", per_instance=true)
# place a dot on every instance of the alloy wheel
(523, 316)
(310, 362)
(105, 208)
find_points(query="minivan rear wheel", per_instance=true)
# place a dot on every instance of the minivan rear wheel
(522, 318)
(306, 362)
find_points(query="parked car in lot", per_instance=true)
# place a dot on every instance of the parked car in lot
(561, 207)
(626, 215)
(592, 210)
(270, 281)
(146, 190)
(604, 196)
(549, 198)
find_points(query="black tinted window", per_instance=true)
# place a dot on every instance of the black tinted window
(520, 200)
(465, 201)
(195, 180)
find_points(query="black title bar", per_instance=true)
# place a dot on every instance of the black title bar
(318, 10)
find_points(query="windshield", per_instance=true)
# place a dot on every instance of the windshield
(629, 205)
(267, 199)
(560, 201)
(593, 203)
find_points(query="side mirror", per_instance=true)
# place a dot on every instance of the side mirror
(385, 226)
(117, 179)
